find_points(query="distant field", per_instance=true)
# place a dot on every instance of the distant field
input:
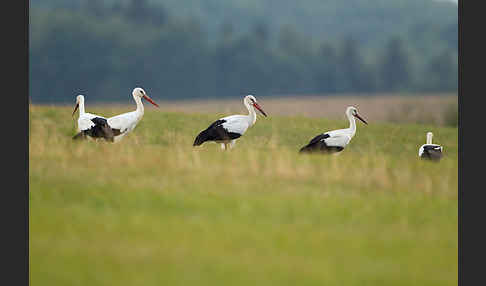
(421, 108)
(153, 210)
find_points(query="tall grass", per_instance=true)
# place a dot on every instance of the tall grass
(153, 210)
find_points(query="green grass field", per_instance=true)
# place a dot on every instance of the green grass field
(153, 210)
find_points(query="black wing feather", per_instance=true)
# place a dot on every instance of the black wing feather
(432, 152)
(101, 129)
(215, 132)
(317, 144)
(319, 138)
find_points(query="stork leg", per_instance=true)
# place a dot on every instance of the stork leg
(227, 146)
(223, 146)
(232, 144)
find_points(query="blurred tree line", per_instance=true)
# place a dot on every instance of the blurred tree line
(103, 49)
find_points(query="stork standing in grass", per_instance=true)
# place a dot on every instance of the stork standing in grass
(126, 122)
(227, 129)
(335, 141)
(430, 151)
(91, 125)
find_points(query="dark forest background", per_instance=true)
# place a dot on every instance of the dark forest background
(188, 49)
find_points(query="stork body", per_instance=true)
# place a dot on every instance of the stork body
(100, 129)
(430, 151)
(334, 141)
(91, 125)
(227, 129)
(124, 123)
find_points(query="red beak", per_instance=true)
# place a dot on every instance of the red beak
(150, 100)
(76, 108)
(259, 108)
(360, 118)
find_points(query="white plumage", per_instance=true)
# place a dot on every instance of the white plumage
(335, 140)
(340, 137)
(91, 125)
(237, 123)
(430, 151)
(126, 122)
(227, 129)
(84, 119)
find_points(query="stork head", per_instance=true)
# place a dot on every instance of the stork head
(140, 93)
(79, 100)
(251, 101)
(353, 111)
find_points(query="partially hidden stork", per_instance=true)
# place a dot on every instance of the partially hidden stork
(430, 151)
(124, 123)
(91, 125)
(334, 141)
(227, 129)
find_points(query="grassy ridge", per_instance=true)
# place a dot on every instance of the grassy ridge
(152, 210)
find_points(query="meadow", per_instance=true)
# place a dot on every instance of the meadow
(153, 210)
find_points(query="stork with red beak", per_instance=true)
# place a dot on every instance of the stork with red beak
(124, 123)
(227, 129)
(335, 141)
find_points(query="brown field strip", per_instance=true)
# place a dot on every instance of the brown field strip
(431, 109)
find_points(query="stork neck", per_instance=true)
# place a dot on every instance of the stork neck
(81, 106)
(429, 138)
(140, 108)
(352, 124)
(251, 114)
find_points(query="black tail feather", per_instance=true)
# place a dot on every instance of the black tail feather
(306, 148)
(432, 153)
(201, 138)
(101, 129)
(215, 132)
(320, 147)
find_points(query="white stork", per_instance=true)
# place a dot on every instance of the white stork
(430, 151)
(335, 141)
(123, 123)
(227, 129)
(91, 125)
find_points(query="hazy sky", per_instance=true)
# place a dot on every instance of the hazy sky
(455, 1)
